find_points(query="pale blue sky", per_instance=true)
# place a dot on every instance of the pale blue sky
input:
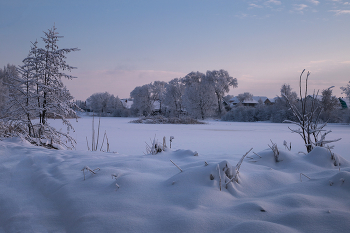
(126, 43)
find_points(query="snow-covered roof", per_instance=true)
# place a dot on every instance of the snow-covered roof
(255, 100)
(127, 103)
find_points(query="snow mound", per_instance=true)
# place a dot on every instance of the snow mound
(341, 180)
(261, 226)
(44, 190)
(322, 157)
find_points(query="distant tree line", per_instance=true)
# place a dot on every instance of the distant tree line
(197, 95)
(330, 106)
(105, 104)
(200, 96)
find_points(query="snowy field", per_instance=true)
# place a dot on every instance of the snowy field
(44, 190)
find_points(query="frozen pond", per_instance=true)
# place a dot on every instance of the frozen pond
(216, 138)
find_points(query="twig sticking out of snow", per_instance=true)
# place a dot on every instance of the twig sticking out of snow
(107, 143)
(256, 154)
(164, 143)
(87, 143)
(115, 177)
(235, 177)
(334, 157)
(218, 168)
(171, 139)
(274, 148)
(286, 145)
(176, 165)
(238, 166)
(305, 176)
(90, 170)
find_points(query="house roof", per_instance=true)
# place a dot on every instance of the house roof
(255, 100)
(127, 103)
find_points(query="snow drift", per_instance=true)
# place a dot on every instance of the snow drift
(44, 191)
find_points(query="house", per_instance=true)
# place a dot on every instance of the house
(252, 102)
(127, 102)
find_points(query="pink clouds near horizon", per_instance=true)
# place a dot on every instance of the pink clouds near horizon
(117, 82)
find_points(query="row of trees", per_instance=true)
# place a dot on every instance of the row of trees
(328, 105)
(200, 95)
(105, 104)
(34, 92)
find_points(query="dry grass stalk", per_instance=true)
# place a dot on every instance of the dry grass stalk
(276, 153)
(176, 165)
(95, 140)
(305, 176)
(218, 168)
(171, 139)
(238, 166)
(288, 147)
(90, 170)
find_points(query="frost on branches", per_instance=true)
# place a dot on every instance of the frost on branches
(308, 118)
(36, 93)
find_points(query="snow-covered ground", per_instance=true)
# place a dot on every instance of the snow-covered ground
(44, 190)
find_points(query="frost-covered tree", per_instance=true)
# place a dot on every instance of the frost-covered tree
(38, 91)
(173, 96)
(330, 106)
(346, 90)
(280, 110)
(158, 90)
(244, 96)
(286, 91)
(221, 81)
(105, 104)
(4, 88)
(100, 102)
(199, 96)
(51, 86)
(143, 101)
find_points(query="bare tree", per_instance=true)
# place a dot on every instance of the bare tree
(308, 117)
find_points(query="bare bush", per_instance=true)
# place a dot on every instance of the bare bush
(308, 118)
